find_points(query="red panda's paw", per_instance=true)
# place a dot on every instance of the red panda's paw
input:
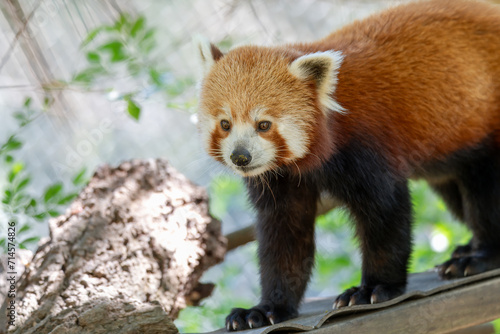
(367, 295)
(462, 251)
(257, 316)
(468, 265)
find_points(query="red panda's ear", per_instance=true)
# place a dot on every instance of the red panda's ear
(207, 53)
(322, 68)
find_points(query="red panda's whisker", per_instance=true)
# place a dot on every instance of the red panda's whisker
(298, 170)
(266, 182)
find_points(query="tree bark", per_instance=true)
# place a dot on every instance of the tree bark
(125, 258)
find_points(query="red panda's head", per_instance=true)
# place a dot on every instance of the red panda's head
(265, 109)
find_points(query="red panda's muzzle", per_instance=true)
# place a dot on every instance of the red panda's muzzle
(240, 156)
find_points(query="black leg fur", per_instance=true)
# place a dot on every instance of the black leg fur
(379, 201)
(451, 195)
(285, 232)
(479, 184)
(383, 227)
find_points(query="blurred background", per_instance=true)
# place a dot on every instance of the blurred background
(83, 83)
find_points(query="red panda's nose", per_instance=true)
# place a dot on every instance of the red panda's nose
(241, 157)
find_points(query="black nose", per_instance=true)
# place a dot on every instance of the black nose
(241, 157)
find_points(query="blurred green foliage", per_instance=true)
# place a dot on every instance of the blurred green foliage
(18, 202)
(496, 325)
(337, 258)
(124, 50)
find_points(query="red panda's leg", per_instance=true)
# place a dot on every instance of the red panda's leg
(383, 226)
(450, 192)
(285, 233)
(479, 183)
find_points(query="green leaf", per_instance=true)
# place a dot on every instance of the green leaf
(11, 177)
(17, 167)
(9, 159)
(92, 35)
(40, 216)
(30, 240)
(27, 102)
(80, 178)
(23, 184)
(24, 228)
(7, 198)
(67, 199)
(54, 213)
(93, 57)
(138, 26)
(21, 118)
(46, 101)
(32, 203)
(30, 208)
(147, 43)
(52, 192)
(123, 21)
(14, 171)
(155, 77)
(115, 49)
(132, 108)
(88, 75)
(11, 144)
(18, 200)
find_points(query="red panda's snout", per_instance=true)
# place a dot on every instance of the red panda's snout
(247, 150)
(241, 157)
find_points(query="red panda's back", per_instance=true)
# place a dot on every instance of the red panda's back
(420, 79)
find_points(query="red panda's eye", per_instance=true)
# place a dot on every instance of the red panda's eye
(225, 125)
(264, 126)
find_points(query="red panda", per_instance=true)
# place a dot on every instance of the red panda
(412, 92)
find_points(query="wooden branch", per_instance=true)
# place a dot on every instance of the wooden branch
(453, 310)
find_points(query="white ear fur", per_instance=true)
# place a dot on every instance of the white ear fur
(207, 53)
(323, 68)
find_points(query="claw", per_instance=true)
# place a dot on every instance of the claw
(235, 325)
(227, 326)
(448, 270)
(271, 320)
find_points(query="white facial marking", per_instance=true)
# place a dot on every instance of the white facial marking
(262, 151)
(227, 112)
(291, 130)
(206, 124)
(257, 113)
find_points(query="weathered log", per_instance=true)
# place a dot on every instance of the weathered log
(125, 258)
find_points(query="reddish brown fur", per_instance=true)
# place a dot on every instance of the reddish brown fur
(414, 78)
(446, 96)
